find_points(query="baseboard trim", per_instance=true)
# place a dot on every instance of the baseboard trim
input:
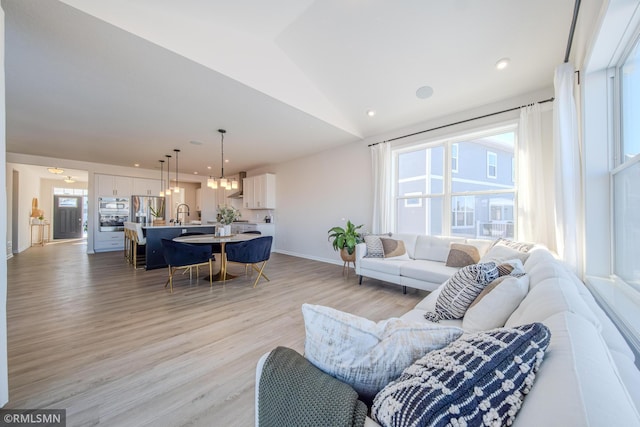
(313, 258)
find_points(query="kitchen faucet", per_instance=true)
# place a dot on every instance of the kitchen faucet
(178, 212)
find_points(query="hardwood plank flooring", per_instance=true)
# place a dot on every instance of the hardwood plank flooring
(109, 344)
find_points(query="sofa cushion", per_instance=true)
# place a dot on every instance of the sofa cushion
(382, 265)
(629, 374)
(429, 271)
(394, 249)
(483, 245)
(578, 384)
(537, 255)
(519, 246)
(501, 253)
(479, 379)
(374, 246)
(409, 242)
(417, 315)
(461, 255)
(495, 304)
(550, 297)
(546, 269)
(434, 248)
(461, 290)
(365, 354)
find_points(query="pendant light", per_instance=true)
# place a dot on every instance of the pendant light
(161, 178)
(223, 182)
(176, 189)
(167, 192)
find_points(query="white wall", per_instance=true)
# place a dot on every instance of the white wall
(319, 192)
(28, 189)
(4, 375)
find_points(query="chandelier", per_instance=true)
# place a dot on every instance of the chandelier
(222, 182)
(56, 170)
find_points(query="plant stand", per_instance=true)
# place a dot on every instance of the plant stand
(348, 259)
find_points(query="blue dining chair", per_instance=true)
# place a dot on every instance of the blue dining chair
(178, 255)
(251, 252)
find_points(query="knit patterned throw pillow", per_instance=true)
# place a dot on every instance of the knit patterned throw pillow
(480, 379)
(461, 290)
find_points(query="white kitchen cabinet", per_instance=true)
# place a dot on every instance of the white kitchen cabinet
(247, 192)
(108, 241)
(259, 192)
(113, 185)
(145, 187)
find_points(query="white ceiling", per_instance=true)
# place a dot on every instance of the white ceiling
(127, 81)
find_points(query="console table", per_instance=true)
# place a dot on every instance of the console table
(43, 233)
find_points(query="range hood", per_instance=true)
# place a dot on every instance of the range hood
(238, 194)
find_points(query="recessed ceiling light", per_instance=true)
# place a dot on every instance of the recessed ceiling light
(502, 63)
(196, 142)
(136, 165)
(195, 173)
(424, 92)
(371, 113)
(209, 167)
(226, 160)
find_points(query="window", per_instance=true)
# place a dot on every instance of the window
(463, 211)
(630, 105)
(413, 203)
(432, 199)
(492, 165)
(454, 158)
(626, 175)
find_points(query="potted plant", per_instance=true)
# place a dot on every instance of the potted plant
(226, 215)
(345, 240)
(157, 214)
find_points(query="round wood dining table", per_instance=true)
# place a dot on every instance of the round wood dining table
(209, 239)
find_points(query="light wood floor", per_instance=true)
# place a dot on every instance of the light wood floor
(108, 343)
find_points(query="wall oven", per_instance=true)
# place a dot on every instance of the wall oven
(113, 212)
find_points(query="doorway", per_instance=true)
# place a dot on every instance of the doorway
(67, 217)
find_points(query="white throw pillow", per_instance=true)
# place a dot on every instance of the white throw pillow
(500, 254)
(365, 354)
(494, 308)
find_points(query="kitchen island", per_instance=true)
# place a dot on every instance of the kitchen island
(154, 257)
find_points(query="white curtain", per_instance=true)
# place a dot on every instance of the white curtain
(535, 180)
(382, 202)
(568, 177)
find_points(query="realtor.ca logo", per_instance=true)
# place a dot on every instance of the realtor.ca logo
(33, 417)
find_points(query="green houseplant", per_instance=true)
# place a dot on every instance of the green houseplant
(346, 239)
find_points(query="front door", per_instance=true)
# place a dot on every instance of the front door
(67, 217)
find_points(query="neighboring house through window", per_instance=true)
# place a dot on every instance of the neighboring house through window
(492, 165)
(456, 198)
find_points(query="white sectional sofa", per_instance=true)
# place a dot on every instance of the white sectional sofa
(425, 267)
(588, 376)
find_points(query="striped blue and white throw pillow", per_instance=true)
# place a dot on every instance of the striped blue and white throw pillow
(461, 290)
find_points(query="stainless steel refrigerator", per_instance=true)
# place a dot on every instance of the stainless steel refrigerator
(143, 209)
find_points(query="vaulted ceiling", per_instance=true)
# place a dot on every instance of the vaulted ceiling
(127, 81)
